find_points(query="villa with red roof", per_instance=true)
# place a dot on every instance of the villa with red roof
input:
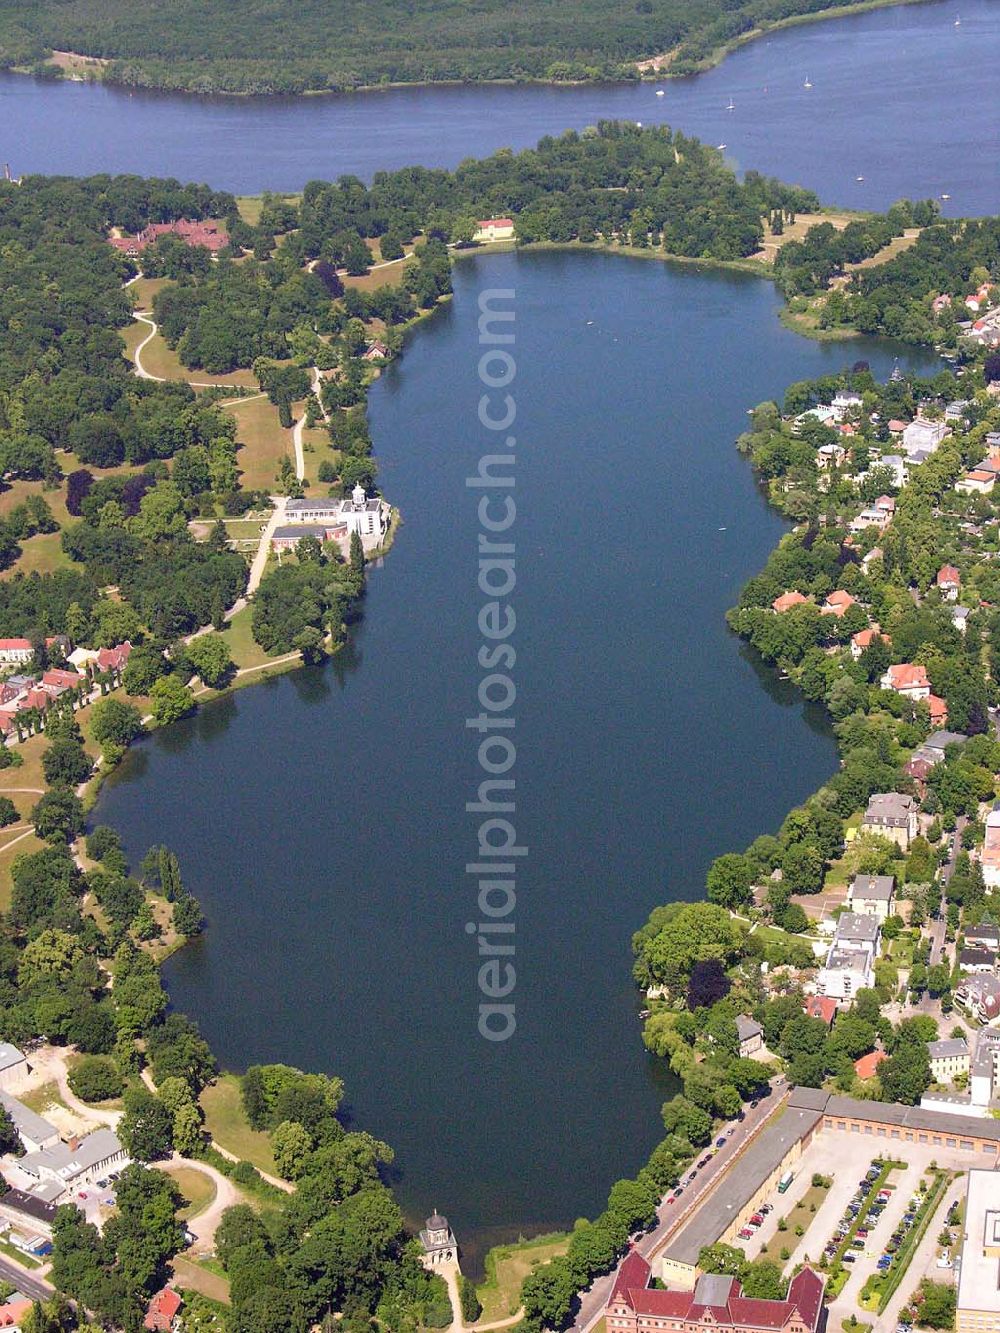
(864, 639)
(949, 581)
(938, 710)
(837, 603)
(209, 234)
(820, 1006)
(716, 1302)
(16, 650)
(867, 1065)
(494, 229)
(907, 678)
(787, 600)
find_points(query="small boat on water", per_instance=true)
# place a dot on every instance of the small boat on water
(807, 84)
(958, 22)
(720, 147)
(731, 106)
(946, 196)
(659, 92)
(859, 178)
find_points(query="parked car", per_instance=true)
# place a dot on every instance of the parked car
(757, 1219)
(766, 1208)
(944, 1262)
(862, 1232)
(745, 1233)
(850, 1258)
(81, 1195)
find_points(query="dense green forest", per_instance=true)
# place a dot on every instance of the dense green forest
(266, 47)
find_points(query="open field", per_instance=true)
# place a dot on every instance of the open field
(196, 1277)
(197, 1187)
(264, 442)
(507, 1266)
(385, 275)
(250, 206)
(245, 650)
(145, 289)
(225, 1121)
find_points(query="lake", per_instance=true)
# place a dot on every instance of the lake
(900, 96)
(321, 818)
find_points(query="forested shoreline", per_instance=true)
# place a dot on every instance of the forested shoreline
(268, 51)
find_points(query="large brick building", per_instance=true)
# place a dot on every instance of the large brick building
(717, 1305)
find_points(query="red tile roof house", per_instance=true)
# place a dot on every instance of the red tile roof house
(820, 1006)
(949, 581)
(868, 1065)
(14, 1311)
(716, 1302)
(837, 603)
(864, 639)
(163, 1310)
(907, 678)
(787, 600)
(938, 710)
(114, 659)
(57, 682)
(208, 234)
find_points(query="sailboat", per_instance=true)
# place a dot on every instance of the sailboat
(807, 84)
(731, 106)
(958, 22)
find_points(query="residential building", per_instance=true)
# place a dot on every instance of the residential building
(977, 960)
(850, 962)
(984, 936)
(16, 650)
(33, 1130)
(751, 1036)
(830, 455)
(865, 638)
(978, 481)
(71, 1166)
(846, 402)
(494, 229)
(14, 1068)
(991, 849)
(949, 1058)
(871, 895)
(937, 743)
(867, 1065)
(949, 581)
(868, 560)
(787, 600)
(937, 710)
(979, 995)
(375, 351)
(978, 1301)
(163, 1310)
(837, 603)
(924, 434)
(15, 1310)
(960, 618)
(893, 816)
(820, 1006)
(717, 1301)
(907, 678)
(898, 465)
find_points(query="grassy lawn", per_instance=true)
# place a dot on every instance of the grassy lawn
(263, 441)
(225, 1121)
(391, 275)
(250, 206)
(42, 554)
(159, 360)
(244, 648)
(507, 1266)
(797, 230)
(144, 290)
(197, 1187)
(18, 1256)
(197, 1277)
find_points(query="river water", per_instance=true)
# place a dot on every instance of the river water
(321, 818)
(900, 96)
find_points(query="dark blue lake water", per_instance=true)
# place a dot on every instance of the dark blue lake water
(321, 818)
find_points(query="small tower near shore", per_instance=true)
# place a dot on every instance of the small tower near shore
(438, 1240)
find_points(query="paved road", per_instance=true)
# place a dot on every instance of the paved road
(669, 1220)
(260, 559)
(34, 1287)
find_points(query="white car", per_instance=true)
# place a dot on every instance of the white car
(944, 1262)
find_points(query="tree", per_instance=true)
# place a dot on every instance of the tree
(146, 1127)
(905, 1075)
(169, 700)
(467, 1295)
(210, 655)
(729, 879)
(146, 664)
(58, 815)
(66, 762)
(96, 1079)
(720, 1258)
(937, 1301)
(291, 1144)
(548, 1295)
(763, 1280)
(114, 723)
(681, 1116)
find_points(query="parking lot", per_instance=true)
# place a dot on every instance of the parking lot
(846, 1160)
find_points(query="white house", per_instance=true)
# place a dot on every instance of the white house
(898, 465)
(850, 964)
(751, 1036)
(368, 517)
(871, 895)
(924, 434)
(891, 816)
(907, 679)
(494, 229)
(16, 650)
(34, 1131)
